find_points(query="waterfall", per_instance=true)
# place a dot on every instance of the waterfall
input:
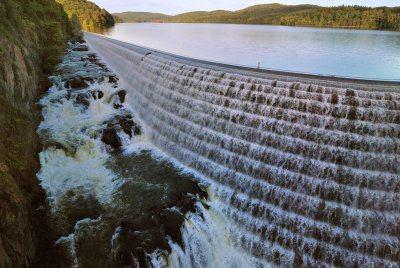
(304, 171)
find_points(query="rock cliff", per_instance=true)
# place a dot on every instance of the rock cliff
(30, 45)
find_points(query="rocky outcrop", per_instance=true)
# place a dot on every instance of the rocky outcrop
(23, 57)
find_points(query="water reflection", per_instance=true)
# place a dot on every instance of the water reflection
(353, 53)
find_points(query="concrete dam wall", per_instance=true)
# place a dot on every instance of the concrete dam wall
(306, 169)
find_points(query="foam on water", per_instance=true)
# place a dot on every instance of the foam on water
(304, 172)
(81, 167)
(75, 164)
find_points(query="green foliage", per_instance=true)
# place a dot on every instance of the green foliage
(40, 22)
(92, 18)
(76, 27)
(139, 17)
(357, 17)
(118, 19)
(258, 14)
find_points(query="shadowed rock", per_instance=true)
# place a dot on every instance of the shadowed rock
(119, 123)
(82, 48)
(110, 137)
(75, 83)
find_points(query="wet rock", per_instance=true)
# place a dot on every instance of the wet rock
(92, 58)
(75, 83)
(123, 123)
(172, 221)
(102, 66)
(82, 99)
(81, 48)
(76, 207)
(130, 242)
(127, 124)
(117, 106)
(111, 138)
(122, 95)
(79, 82)
(97, 94)
(113, 79)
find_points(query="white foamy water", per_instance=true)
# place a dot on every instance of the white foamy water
(80, 164)
(74, 165)
(303, 172)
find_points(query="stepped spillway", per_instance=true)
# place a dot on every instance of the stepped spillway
(306, 169)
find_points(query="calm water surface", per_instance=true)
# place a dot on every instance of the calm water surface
(350, 53)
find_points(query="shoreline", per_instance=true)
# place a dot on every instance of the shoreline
(323, 80)
(278, 25)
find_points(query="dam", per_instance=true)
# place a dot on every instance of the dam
(305, 169)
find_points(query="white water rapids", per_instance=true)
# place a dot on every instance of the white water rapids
(75, 167)
(304, 173)
(299, 172)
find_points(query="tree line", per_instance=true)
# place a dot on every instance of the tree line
(357, 17)
(91, 17)
(382, 18)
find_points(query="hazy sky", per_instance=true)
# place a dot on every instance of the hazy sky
(180, 6)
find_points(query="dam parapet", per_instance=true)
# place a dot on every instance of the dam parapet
(306, 168)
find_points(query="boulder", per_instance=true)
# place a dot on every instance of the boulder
(172, 220)
(113, 79)
(123, 123)
(118, 106)
(81, 48)
(122, 95)
(75, 83)
(82, 99)
(97, 94)
(111, 138)
(126, 124)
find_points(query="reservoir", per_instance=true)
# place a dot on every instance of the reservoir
(363, 54)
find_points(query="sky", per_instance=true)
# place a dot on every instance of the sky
(173, 7)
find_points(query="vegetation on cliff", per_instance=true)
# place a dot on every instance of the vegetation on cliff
(41, 22)
(91, 16)
(33, 35)
(356, 17)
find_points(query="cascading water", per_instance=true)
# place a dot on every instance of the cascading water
(303, 172)
(112, 194)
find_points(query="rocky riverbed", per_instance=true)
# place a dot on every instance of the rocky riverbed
(114, 201)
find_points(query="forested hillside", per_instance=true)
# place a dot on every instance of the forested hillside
(259, 14)
(347, 17)
(91, 16)
(139, 17)
(357, 17)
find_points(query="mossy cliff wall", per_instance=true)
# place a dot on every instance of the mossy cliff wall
(33, 35)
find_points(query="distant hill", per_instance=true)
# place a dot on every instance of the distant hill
(139, 17)
(92, 17)
(259, 14)
(355, 17)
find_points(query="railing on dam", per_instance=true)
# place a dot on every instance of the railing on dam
(306, 168)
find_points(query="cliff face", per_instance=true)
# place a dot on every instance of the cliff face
(18, 164)
(30, 44)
